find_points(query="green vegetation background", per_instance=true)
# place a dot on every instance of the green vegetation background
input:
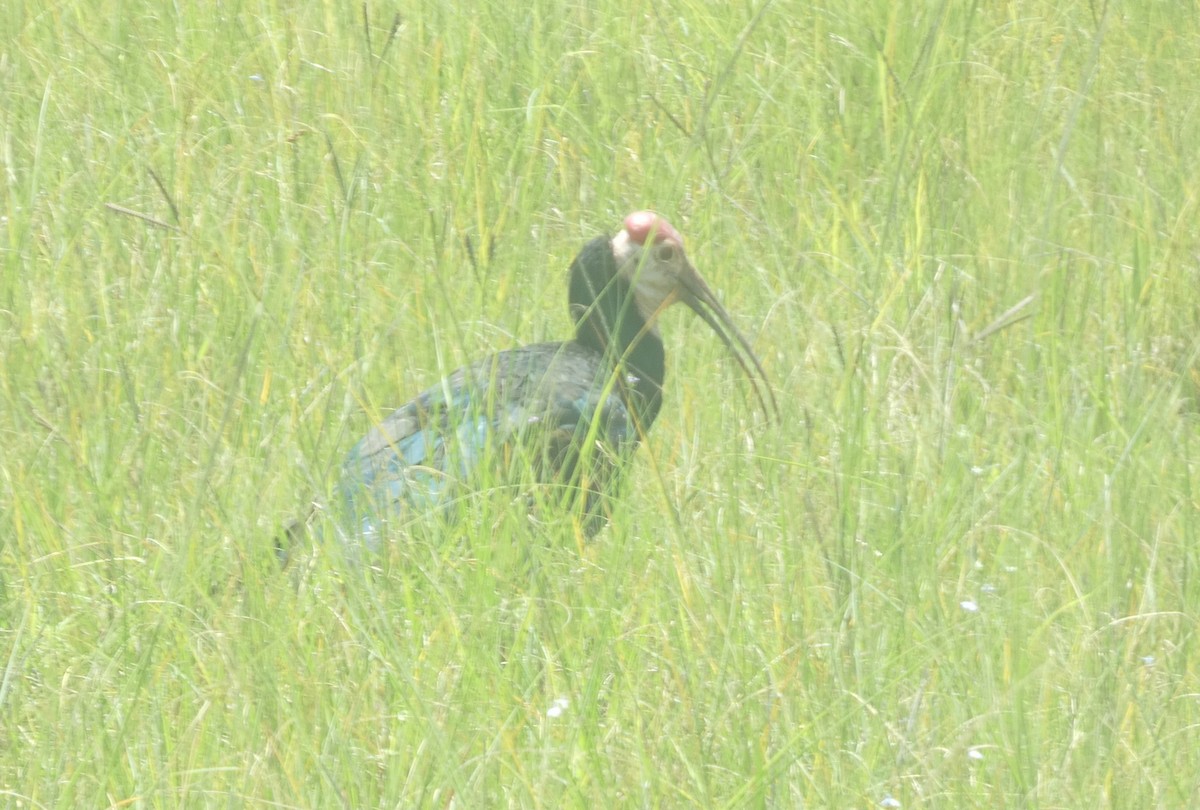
(959, 573)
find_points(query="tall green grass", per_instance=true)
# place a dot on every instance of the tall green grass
(959, 573)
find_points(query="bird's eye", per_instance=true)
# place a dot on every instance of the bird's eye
(664, 252)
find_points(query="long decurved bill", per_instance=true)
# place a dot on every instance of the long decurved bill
(700, 299)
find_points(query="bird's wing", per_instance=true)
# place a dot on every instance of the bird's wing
(415, 454)
(532, 408)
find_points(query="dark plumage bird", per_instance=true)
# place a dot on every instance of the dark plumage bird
(560, 414)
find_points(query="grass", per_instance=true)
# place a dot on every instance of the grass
(960, 573)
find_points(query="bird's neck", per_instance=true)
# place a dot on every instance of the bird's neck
(607, 321)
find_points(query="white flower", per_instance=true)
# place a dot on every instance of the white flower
(558, 707)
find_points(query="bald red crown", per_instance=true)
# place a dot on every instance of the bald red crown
(640, 224)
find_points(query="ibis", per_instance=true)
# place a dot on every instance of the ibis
(564, 417)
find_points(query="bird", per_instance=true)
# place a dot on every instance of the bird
(565, 416)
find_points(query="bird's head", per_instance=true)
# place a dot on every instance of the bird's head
(649, 260)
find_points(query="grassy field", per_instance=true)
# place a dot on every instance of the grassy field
(960, 573)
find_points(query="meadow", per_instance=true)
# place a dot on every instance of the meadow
(958, 571)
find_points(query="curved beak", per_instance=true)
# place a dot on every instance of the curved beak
(695, 292)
